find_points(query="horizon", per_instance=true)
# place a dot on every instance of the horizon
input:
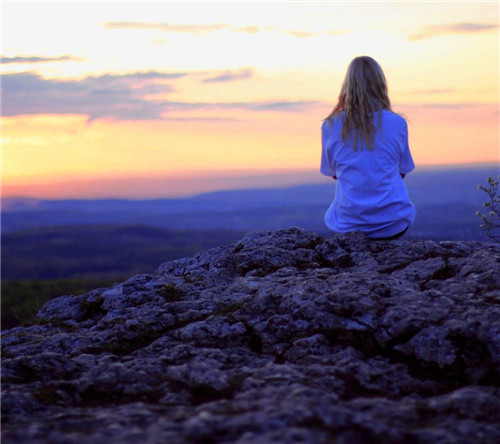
(153, 95)
(209, 184)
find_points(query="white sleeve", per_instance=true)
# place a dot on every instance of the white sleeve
(327, 168)
(406, 163)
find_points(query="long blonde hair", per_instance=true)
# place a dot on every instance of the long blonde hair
(364, 91)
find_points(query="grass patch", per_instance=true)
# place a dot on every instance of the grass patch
(21, 300)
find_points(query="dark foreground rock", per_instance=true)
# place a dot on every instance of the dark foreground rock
(283, 337)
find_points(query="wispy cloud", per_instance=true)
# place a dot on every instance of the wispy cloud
(270, 105)
(433, 91)
(299, 105)
(202, 29)
(35, 59)
(301, 34)
(453, 28)
(459, 105)
(200, 119)
(447, 106)
(293, 32)
(189, 29)
(117, 97)
(249, 29)
(229, 76)
(159, 41)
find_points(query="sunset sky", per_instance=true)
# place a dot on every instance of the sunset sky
(164, 99)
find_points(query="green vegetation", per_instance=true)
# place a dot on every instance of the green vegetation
(21, 300)
(41, 263)
(491, 220)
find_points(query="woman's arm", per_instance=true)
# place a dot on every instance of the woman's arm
(406, 163)
(328, 166)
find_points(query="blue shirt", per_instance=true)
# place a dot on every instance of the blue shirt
(370, 195)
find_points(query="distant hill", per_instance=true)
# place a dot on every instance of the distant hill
(50, 247)
(446, 200)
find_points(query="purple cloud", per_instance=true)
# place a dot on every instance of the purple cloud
(293, 106)
(34, 59)
(115, 96)
(119, 97)
(229, 76)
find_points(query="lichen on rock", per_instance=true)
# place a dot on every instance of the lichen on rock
(283, 337)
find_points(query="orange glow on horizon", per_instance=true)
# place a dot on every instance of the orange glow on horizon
(217, 106)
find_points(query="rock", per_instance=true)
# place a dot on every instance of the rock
(282, 337)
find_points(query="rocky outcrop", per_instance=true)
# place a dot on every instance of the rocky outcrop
(282, 337)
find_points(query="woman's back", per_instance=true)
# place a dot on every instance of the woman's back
(370, 196)
(365, 147)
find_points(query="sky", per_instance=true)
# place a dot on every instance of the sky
(165, 99)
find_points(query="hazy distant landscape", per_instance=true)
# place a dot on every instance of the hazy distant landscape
(52, 246)
(435, 192)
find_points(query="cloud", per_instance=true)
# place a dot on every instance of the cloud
(202, 29)
(33, 59)
(117, 97)
(434, 91)
(300, 105)
(249, 29)
(293, 32)
(459, 105)
(229, 76)
(454, 28)
(301, 34)
(189, 29)
(159, 41)
(411, 107)
(270, 105)
(200, 119)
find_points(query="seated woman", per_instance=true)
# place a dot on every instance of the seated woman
(365, 147)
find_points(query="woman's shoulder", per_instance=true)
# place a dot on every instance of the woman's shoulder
(394, 123)
(394, 117)
(332, 121)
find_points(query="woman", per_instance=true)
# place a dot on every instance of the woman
(365, 147)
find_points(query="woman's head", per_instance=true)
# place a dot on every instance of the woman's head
(363, 92)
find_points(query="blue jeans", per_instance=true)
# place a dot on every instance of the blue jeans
(390, 237)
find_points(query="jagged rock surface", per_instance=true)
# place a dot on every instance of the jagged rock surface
(282, 337)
